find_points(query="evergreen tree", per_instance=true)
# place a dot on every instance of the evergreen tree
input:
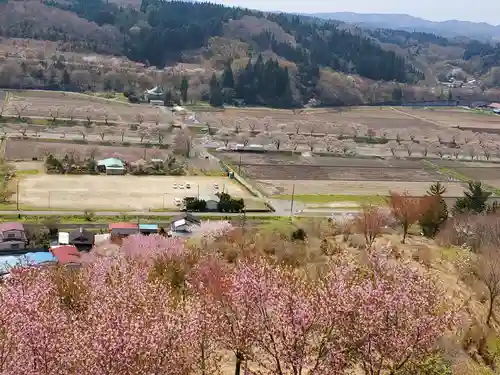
(437, 213)
(228, 77)
(216, 97)
(168, 99)
(66, 79)
(474, 200)
(184, 89)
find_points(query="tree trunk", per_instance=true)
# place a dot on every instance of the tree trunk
(239, 360)
(405, 233)
(490, 311)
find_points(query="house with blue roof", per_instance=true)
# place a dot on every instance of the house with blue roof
(148, 229)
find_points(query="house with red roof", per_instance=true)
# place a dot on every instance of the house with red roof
(123, 229)
(12, 236)
(66, 254)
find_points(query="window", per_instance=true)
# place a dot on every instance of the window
(11, 235)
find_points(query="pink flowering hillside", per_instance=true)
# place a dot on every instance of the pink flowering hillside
(160, 306)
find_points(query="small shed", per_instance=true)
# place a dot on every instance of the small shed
(101, 238)
(184, 223)
(63, 238)
(82, 239)
(111, 166)
(148, 229)
(123, 229)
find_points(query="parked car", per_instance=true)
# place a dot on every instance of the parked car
(177, 201)
(188, 185)
(216, 186)
(174, 186)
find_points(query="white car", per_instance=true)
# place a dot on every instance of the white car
(216, 186)
(181, 186)
(177, 201)
(188, 185)
(174, 186)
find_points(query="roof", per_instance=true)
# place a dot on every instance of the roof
(494, 105)
(11, 226)
(38, 258)
(66, 254)
(179, 223)
(188, 217)
(111, 163)
(148, 226)
(82, 235)
(123, 226)
(63, 238)
(207, 198)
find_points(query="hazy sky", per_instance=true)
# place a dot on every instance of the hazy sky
(435, 10)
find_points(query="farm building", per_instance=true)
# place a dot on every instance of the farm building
(111, 166)
(148, 229)
(123, 229)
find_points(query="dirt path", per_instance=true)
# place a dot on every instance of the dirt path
(417, 117)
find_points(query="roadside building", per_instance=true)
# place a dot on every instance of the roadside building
(12, 237)
(148, 229)
(184, 223)
(111, 166)
(82, 239)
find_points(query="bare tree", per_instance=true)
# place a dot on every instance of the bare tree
(487, 153)
(399, 138)
(488, 271)
(36, 130)
(157, 118)
(19, 108)
(456, 153)
(103, 134)
(297, 125)
(159, 132)
(296, 141)
(244, 138)
(54, 113)
(252, 126)
(425, 148)
(237, 127)
(345, 147)
(89, 114)
(225, 136)
(409, 148)
(105, 114)
(70, 112)
(93, 152)
(277, 138)
(393, 146)
(139, 118)
(143, 133)
(330, 142)
(266, 122)
(122, 134)
(311, 142)
(312, 128)
(84, 133)
(471, 150)
(183, 142)
(371, 133)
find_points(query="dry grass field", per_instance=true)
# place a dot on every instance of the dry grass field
(355, 188)
(40, 103)
(21, 150)
(117, 192)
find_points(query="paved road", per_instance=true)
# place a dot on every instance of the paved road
(175, 213)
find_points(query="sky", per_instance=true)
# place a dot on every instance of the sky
(434, 10)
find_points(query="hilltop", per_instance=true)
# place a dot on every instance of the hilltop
(336, 64)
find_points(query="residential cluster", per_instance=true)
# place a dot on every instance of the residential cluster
(66, 247)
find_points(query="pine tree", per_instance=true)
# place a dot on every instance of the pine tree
(437, 213)
(216, 97)
(184, 89)
(228, 77)
(474, 200)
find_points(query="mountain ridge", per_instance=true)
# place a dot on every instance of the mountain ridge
(448, 28)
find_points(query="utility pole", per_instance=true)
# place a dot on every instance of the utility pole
(198, 191)
(17, 195)
(291, 203)
(239, 166)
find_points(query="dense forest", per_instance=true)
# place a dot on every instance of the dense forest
(160, 31)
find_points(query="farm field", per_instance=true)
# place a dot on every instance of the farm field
(260, 166)
(456, 117)
(355, 188)
(118, 192)
(320, 119)
(22, 150)
(79, 106)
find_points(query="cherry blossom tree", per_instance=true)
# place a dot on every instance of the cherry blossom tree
(370, 222)
(407, 210)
